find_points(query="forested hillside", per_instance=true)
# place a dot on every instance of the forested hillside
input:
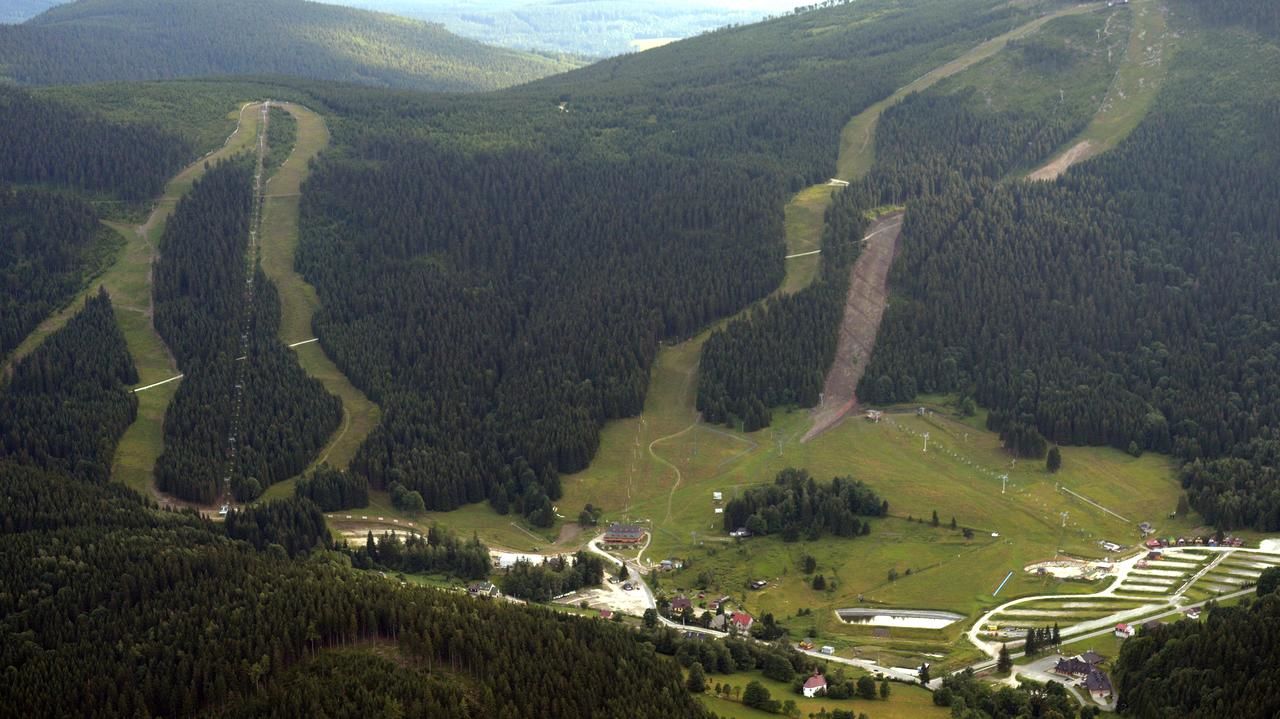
(67, 403)
(496, 272)
(106, 40)
(50, 241)
(983, 123)
(1225, 666)
(16, 11)
(110, 607)
(255, 418)
(181, 620)
(1131, 303)
(49, 142)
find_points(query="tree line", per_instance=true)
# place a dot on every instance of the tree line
(552, 578)
(51, 241)
(440, 551)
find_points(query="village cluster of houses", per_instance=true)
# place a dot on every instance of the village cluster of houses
(721, 620)
(1084, 669)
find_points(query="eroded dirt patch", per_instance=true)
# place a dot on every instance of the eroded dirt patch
(863, 310)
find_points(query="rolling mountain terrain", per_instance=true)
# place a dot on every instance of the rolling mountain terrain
(111, 40)
(911, 358)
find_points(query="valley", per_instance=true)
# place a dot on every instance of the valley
(889, 358)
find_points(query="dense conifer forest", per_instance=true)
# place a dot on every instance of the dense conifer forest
(1129, 304)
(50, 242)
(67, 403)
(332, 489)
(439, 552)
(48, 142)
(1223, 666)
(113, 40)
(257, 417)
(111, 608)
(282, 132)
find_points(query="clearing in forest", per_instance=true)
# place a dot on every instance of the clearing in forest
(298, 300)
(1136, 84)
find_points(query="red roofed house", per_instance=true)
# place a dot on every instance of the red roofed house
(815, 685)
(606, 613)
(1124, 631)
(681, 603)
(742, 621)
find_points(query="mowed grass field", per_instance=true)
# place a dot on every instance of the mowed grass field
(298, 300)
(904, 702)
(958, 477)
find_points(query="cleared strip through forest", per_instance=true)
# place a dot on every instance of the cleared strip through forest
(1137, 81)
(128, 282)
(278, 243)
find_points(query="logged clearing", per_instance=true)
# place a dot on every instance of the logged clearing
(863, 310)
(298, 300)
(1136, 84)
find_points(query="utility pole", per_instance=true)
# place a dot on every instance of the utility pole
(1004, 480)
(926, 442)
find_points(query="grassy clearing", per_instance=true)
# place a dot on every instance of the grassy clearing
(857, 140)
(1072, 85)
(804, 220)
(298, 300)
(905, 702)
(1137, 81)
(954, 477)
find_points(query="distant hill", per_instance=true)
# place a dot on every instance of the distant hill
(16, 11)
(588, 27)
(108, 40)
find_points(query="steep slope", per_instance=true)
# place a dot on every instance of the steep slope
(105, 40)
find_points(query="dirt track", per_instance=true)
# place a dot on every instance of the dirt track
(863, 309)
